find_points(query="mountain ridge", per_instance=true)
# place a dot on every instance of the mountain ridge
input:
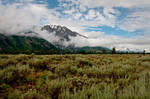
(31, 40)
(61, 31)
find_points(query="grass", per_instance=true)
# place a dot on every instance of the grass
(75, 76)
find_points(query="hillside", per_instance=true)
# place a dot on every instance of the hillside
(14, 42)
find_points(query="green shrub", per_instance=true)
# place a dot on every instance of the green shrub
(39, 64)
(6, 63)
(83, 62)
(17, 73)
(32, 94)
(14, 95)
(4, 86)
(65, 70)
(6, 75)
(52, 76)
(55, 87)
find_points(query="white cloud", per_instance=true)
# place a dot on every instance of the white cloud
(138, 20)
(91, 14)
(77, 15)
(77, 41)
(82, 8)
(15, 19)
(111, 3)
(110, 41)
(23, 15)
(70, 11)
(110, 19)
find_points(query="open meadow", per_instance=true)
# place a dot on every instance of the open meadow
(95, 76)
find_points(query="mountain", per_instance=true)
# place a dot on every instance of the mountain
(41, 40)
(15, 42)
(61, 31)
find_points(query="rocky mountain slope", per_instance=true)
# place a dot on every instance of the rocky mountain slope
(61, 31)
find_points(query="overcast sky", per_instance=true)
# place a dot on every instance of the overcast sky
(110, 23)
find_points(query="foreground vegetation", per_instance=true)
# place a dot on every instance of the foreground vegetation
(75, 76)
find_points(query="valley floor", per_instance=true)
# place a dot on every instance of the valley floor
(75, 76)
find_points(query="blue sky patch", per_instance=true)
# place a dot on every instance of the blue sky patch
(113, 31)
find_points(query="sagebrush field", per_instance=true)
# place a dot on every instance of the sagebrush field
(75, 76)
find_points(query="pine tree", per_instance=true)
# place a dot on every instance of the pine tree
(144, 52)
(113, 50)
(104, 51)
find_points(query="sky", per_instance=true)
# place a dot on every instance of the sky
(124, 24)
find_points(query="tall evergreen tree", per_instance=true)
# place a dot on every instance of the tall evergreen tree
(104, 51)
(113, 50)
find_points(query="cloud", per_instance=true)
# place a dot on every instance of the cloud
(110, 41)
(77, 41)
(15, 18)
(79, 15)
(109, 15)
(91, 14)
(138, 20)
(109, 3)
